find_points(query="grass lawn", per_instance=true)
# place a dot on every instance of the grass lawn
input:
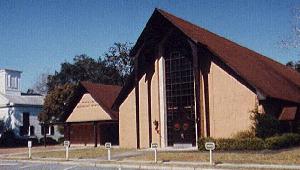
(74, 153)
(288, 156)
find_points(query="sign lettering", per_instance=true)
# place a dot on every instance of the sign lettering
(210, 146)
(29, 144)
(66, 143)
(107, 145)
(154, 145)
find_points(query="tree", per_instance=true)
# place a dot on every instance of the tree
(118, 58)
(293, 40)
(40, 85)
(84, 68)
(294, 65)
(62, 86)
(57, 101)
(2, 126)
(264, 125)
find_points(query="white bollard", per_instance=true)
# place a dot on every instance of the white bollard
(29, 153)
(210, 146)
(108, 154)
(29, 149)
(67, 153)
(108, 147)
(67, 145)
(210, 157)
(154, 146)
(155, 155)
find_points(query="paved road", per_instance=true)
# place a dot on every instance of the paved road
(11, 165)
(16, 165)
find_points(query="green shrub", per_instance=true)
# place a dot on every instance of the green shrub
(265, 125)
(276, 142)
(34, 141)
(49, 141)
(240, 144)
(61, 140)
(283, 141)
(233, 144)
(253, 144)
(244, 134)
(202, 141)
(8, 138)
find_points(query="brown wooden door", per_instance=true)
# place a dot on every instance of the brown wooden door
(183, 127)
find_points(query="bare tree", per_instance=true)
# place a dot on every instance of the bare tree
(40, 85)
(294, 65)
(293, 40)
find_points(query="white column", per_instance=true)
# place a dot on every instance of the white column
(162, 104)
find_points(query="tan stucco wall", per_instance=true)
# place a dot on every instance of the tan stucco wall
(143, 111)
(88, 109)
(230, 104)
(127, 122)
(155, 114)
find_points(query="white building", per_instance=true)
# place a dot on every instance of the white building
(20, 110)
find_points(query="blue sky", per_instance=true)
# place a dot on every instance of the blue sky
(37, 36)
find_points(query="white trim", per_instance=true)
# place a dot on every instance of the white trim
(49, 130)
(29, 132)
(195, 112)
(162, 102)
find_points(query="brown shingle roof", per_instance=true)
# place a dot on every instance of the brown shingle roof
(266, 75)
(269, 77)
(104, 95)
(288, 113)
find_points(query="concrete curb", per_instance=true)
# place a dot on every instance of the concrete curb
(172, 165)
(263, 166)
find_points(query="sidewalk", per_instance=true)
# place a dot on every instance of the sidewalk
(159, 165)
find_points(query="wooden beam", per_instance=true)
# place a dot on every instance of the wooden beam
(95, 134)
(206, 99)
(45, 143)
(197, 86)
(205, 69)
(137, 104)
(69, 131)
(149, 110)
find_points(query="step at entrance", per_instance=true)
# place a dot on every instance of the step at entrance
(182, 145)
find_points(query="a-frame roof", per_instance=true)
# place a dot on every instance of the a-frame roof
(265, 75)
(104, 95)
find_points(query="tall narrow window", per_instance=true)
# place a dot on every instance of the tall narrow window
(24, 130)
(180, 98)
(8, 81)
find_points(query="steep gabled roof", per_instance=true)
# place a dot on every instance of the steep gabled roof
(104, 95)
(267, 76)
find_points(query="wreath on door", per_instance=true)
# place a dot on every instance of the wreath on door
(177, 126)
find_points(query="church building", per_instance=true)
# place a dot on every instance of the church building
(19, 111)
(189, 82)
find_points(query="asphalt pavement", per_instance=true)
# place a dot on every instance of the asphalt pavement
(10, 165)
